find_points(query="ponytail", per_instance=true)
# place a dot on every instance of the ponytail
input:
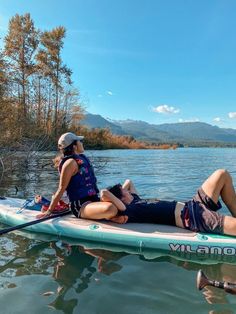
(69, 150)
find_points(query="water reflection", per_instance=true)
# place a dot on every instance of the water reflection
(71, 266)
(76, 268)
(72, 271)
(218, 271)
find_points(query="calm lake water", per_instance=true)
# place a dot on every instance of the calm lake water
(41, 274)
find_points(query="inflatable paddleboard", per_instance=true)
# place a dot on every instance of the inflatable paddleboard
(140, 236)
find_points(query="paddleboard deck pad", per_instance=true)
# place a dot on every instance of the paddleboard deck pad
(141, 236)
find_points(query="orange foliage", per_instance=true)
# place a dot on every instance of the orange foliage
(103, 139)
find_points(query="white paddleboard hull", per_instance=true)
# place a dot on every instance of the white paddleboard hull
(140, 236)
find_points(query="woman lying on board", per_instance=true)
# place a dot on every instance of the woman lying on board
(198, 214)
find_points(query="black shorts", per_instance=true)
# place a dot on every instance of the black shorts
(75, 206)
(199, 214)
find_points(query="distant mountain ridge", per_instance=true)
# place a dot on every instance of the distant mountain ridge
(97, 121)
(183, 133)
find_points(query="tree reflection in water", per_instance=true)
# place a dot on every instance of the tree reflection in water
(74, 268)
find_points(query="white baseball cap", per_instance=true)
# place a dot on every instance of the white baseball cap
(68, 138)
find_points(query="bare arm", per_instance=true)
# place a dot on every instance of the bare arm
(128, 185)
(107, 196)
(68, 170)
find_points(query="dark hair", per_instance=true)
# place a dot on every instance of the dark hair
(116, 190)
(69, 150)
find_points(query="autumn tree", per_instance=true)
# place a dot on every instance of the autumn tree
(20, 45)
(3, 77)
(7, 110)
(3, 85)
(51, 65)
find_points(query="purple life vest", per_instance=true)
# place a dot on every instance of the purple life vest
(83, 183)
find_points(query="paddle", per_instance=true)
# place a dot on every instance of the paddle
(34, 222)
(203, 281)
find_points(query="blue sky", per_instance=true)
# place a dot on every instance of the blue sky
(156, 60)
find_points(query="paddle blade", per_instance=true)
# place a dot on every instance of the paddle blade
(202, 280)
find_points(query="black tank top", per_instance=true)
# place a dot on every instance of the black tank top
(157, 212)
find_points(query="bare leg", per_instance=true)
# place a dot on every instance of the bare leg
(220, 184)
(98, 210)
(230, 225)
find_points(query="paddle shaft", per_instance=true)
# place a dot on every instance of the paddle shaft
(227, 286)
(221, 284)
(30, 223)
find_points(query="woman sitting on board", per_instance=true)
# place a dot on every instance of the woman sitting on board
(77, 178)
(198, 214)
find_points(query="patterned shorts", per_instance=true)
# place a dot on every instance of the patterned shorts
(199, 214)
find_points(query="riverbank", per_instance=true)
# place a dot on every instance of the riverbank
(96, 139)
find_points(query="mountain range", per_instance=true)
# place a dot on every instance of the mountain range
(186, 133)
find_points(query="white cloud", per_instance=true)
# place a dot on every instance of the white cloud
(165, 109)
(217, 119)
(108, 92)
(232, 115)
(189, 120)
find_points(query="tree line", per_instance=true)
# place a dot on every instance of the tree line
(36, 90)
(37, 96)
